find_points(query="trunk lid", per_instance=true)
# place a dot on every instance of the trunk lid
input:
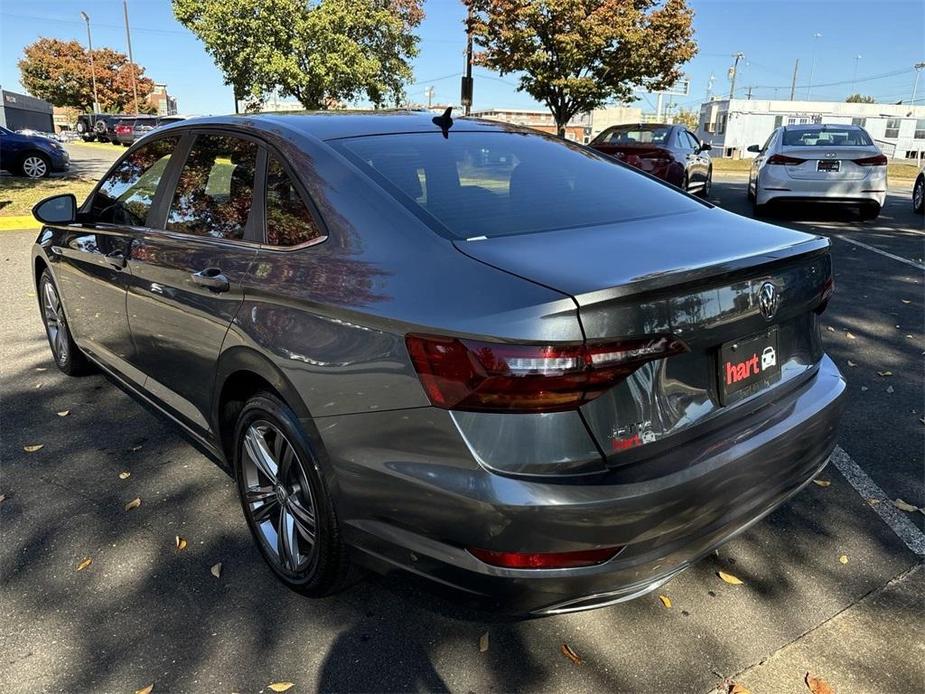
(695, 275)
(841, 157)
(648, 158)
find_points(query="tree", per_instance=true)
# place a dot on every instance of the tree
(860, 99)
(59, 72)
(689, 119)
(322, 52)
(576, 55)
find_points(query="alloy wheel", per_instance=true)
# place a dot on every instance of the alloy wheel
(34, 167)
(278, 498)
(918, 194)
(55, 323)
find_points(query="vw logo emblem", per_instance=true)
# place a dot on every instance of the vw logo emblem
(768, 300)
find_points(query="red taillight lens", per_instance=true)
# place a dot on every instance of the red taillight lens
(545, 560)
(784, 160)
(492, 376)
(123, 129)
(879, 160)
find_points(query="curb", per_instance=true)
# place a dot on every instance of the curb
(18, 223)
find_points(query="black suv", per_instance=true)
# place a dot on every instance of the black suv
(98, 126)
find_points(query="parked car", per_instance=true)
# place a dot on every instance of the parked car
(98, 126)
(127, 130)
(32, 156)
(557, 383)
(670, 152)
(918, 192)
(827, 163)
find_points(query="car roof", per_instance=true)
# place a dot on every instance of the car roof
(331, 125)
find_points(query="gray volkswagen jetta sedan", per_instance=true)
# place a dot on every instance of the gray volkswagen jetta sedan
(489, 357)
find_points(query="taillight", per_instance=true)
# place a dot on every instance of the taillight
(828, 288)
(493, 376)
(545, 560)
(783, 159)
(879, 160)
(123, 129)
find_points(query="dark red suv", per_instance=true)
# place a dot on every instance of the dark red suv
(669, 152)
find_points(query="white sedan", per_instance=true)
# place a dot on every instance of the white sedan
(820, 163)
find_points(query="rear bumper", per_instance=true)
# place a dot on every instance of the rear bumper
(420, 516)
(774, 183)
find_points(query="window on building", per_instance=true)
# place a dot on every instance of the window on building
(778, 121)
(913, 154)
(860, 122)
(920, 129)
(892, 128)
(721, 123)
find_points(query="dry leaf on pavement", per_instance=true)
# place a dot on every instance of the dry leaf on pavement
(145, 690)
(904, 506)
(843, 559)
(851, 363)
(181, 543)
(34, 447)
(850, 336)
(84, 564)
(281, 686)
(729, 578)
(216, 570)
(125, 475)
(666, 601)
(906, 301)
(736, 688)
(135, 449)
(483, 643)
(830, 328)
(822, 483)
(884, 373)
(2, 498)
(63, 413)
(134, 503)
(570, 654)
(817, 685)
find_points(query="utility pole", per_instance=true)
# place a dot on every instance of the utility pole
(915, 85)
(793, 83)
(812, 66)
(710, 86)
(732, 74)
(854, 77)
(749, 97)
(430, 96)
(466, 87)
(131, 60)
(96, 101)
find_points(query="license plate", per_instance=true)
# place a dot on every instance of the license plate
(748, 365)
(828, 165)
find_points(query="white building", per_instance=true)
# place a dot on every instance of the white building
(581, 128)
(731, 126)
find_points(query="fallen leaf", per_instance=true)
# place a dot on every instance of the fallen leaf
(904, 506)
(125, 475)
(134, 503)
(216, 570)
(145, 690)
(830, 328)
(483, 643)
(40, 368)
(570, 654)
(851, 363)
(843, 559)
(872, 501)
(822, 483)
(729, 578)
(63, 413)
(736, 688)
(850, 336)
(906, 301)
(84, 564)
(884, 373)
(181, 543)
(666, 601)
(864, 389)
(2, 498)
(281, 686)
(34, 447)
(889, 389)
(134, 449)
(817, 685)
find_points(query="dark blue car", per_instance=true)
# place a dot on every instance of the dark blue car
(33, 156)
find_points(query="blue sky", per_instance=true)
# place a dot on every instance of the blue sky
(772, 34)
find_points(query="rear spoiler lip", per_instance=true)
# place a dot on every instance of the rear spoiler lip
(682, 278)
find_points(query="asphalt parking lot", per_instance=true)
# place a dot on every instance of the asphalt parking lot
(145, 613)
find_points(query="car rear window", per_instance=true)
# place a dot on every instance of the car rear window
(475, 184)
(826, 137)
(639, 135)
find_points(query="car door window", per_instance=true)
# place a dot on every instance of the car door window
(125, 196)
(289, 221)
(767, 143)
(215, 191)
(694, 143)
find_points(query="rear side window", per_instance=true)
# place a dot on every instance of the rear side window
(216, 188)
(126, 195)
(496, 183)
(825, 137)
(289, 223)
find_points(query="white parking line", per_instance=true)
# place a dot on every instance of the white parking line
(899, 522)
(877, 250)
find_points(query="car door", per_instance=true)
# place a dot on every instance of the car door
(188, 274)
(758, 162)
(701, 159)
(89, 258)
(688, 155)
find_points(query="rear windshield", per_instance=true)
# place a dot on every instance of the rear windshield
(500, 183)
(638, 135)
(826, 137)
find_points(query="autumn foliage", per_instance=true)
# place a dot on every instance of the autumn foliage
(59, 72)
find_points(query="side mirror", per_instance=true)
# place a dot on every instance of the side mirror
(754, 148)
(58, 209)
(705, 146)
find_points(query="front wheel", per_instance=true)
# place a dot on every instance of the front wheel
(918, 195)
(285, 500)
(34, 165)
(67, 354)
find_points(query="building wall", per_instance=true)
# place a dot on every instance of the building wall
(581, 128)
(20, 112)
(731, 127)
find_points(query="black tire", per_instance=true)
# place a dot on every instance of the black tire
(918, 195)
(869, 211)
(34, 165)
(748, 192)
(65, 351)
(758, 210)
(314, 568)
(707, 186)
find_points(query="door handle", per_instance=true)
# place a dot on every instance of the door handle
(116, 259)
(211, 278)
